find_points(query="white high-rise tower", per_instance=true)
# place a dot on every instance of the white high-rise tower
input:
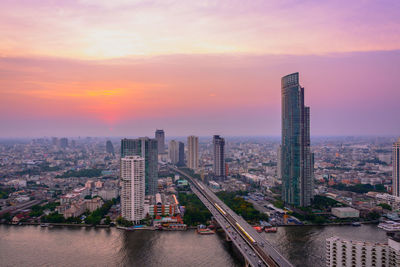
(132, 188)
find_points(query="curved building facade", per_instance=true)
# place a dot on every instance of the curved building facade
(297, 163)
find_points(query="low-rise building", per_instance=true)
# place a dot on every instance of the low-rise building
(345, 212)
(391, 200)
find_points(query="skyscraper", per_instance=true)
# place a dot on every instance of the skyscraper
(297, 163)
(109, 147)
(173, 151)
(160, 136)
(64, 143)
(279, 163)
(132, 188)
(396, 168)
(181, 157)
(146, 148)
(193, 152)
(219, 157)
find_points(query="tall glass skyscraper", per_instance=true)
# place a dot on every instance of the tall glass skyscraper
(396, 169)
(297, 162)
(148, 149)
(219, 157)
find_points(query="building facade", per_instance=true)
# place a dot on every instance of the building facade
(109, 147)
(342, 252)
(148, 149)
(160, 137)
(181, 156)
(219, 157)
(132, 188)
(193, 152)
(297, 162)
(173, 151)
(396, 168)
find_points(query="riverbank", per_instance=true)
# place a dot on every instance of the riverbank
(326, 224)
(58, 224)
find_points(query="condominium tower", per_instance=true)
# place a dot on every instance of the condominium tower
(147, 149)
(132, 188)
(219, 157)
(181, 157)
(173, 151)
(193, 152)
(297, 163)
(160, 136)
(396, 168)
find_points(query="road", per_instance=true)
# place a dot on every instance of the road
(254, 248)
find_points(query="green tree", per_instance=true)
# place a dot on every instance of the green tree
(385, 206)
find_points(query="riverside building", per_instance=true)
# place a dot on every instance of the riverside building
(344, 252)
(132, 188)
(297, 162)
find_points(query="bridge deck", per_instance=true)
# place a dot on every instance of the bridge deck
(254, 248)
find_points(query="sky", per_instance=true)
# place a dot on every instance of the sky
(126, 68)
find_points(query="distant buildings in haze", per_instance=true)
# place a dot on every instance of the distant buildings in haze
(173, 151)
(160, 137)
(109, 147)
(193, 152)
(297, 163)
(181, 154)
(219, 157)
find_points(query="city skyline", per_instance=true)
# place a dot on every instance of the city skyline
(115, 78)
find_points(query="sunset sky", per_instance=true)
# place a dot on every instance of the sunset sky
(127, 67)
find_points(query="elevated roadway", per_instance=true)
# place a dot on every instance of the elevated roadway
(255, 249)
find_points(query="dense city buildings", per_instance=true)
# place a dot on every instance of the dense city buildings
(173, 151)
(345, 252)
(396, 168)
(109, 147)
(181, 156)
(132, 188)
(193, 152)
(160, 137)
(219, 157)
(297, 163)
(148, 149)
(63, 142)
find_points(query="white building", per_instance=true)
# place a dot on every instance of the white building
(391, 200)
(342, 252)
(346, 212)
(396, 168)
(132, 188)
(193, 152)
(173, 151)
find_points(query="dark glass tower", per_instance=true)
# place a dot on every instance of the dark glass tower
(160, 136)
(219, 157)
(148, 149)
(181, 161)
(109, 147)
(297, 163)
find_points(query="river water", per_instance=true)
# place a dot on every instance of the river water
(67, 246)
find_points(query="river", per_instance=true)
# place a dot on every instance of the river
(68, 246)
